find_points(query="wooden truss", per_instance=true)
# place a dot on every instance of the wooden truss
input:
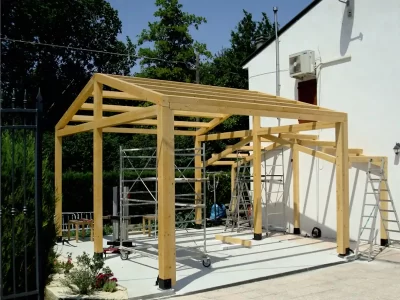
(162, 106)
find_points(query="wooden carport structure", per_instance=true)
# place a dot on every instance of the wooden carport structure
(175, 99)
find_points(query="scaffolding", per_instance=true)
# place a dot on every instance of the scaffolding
(138, 199)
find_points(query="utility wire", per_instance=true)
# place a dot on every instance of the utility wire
(90, 50)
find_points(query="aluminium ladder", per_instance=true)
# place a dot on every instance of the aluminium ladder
(372, 214)
(275, 191)
(239, 213)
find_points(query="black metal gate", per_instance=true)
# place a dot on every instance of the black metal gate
(21, 261)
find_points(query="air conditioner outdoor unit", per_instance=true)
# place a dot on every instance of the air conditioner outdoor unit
(302, 64)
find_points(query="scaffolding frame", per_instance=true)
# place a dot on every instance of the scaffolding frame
(128, 197)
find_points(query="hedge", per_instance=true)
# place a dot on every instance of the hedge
(78, 191)
(48, 237)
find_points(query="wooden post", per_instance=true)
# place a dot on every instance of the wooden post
(384, 195)
(233, 177)
(58, 184)
(166, 198)
(197, 185)
(342, 189)
(257, 179)
(98, 170)
(296, 190)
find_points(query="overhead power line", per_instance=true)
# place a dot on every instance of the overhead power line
(91, 50)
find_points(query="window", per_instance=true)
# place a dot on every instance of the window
(307, 93)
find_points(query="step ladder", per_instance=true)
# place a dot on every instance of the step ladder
(239, 212)
(375, 179)
(274, 189)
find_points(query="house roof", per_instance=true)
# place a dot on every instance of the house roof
(282, 30)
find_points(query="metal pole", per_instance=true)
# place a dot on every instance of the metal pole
(278, 83)
(197, 75)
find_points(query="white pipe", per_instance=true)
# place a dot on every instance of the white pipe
(335, 60)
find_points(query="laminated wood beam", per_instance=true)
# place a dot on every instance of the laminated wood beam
(384, 205)
(313, 143)
(125, 108)
(318, 154)
(277, 139)
(233, 240)
(171, 86)
(128, 117)
(296, 190)
(75, 106)
(226, 135)
(166, 198)
(119, 96)
(228, 151)
(145, 131)
(83, 118)
(70, 130)
(296, 128)
(255, 109)
(257, 197)
(223, 163)
(342, 189)
(212, 124)
(299, 136)
(98, 171)
(134, 90)
(58, 184)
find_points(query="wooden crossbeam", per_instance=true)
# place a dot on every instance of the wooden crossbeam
(228, 151)
(296, 128)
(226, 135)
(145, 131)
(212, 124)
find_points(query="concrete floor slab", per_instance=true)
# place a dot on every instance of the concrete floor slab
(270, 257)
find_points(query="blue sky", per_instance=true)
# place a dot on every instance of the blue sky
(222, 16)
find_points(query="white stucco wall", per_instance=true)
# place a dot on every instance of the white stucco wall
(366, 87)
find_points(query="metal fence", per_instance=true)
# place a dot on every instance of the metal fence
(66, 216)
(21, 259)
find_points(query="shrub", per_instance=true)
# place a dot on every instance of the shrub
(86, 277)
(24, 224)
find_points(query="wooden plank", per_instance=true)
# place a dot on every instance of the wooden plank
(251, 109)
(277, 139)
(296, 190)
(166, 198)
(233, 177)
(58, 183)
(212, 124)
(257, 197)
(226, 135)
(130, 88)
(384, 205)
(299, 136)
(296, 128)
(83, 118)
(198, 184)
(342, 189)
(70, 130)
(366, 159)
(98, 171)
(228, 151)
(145, 131)
(128, 117)
(223, 163)
(233, 240)
(75, 106)
(318, 154)
(119, 96)
(313, 143)
(125, 108)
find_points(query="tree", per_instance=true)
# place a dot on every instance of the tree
(61, 72)
(174, 54)
(225, 69)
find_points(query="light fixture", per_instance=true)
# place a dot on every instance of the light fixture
(396, 148)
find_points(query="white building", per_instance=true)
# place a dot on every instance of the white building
(357, 50)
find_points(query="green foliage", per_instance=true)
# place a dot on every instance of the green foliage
(82, 279)
(24, 225)
(172, 43)
(60, 72)
(110, 286)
